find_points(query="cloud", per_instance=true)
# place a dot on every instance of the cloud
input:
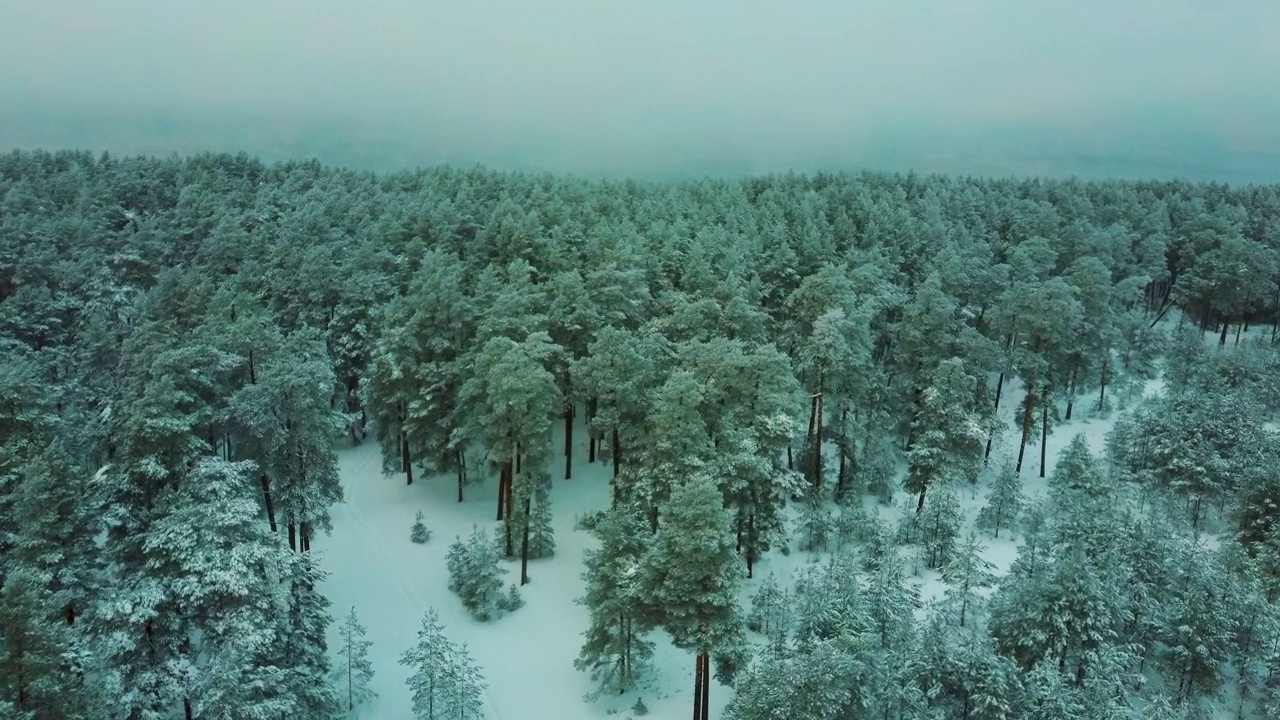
(618, 86)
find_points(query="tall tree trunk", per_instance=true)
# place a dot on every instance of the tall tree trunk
(1242, 326)
(1071, 390)
(591, 437)
(293, 535)
(568, 440)
(751, 544)
(697, 687)
(524, 543)
(511, 481)
(791, 465)
(1044, 429)
(706, 686)
(186, 708)
(404, 457)
(1103, 377)
(1222, 338)
(817, 448)
(461, 462)
(1026, 422)
(504, 481)
(994, 410)
(266, 498)
(615, 450)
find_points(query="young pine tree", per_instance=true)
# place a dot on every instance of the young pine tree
(770, 611)
(1004, 503)
(431, 660)
(353, 671)
(420, 534)
(940, 526)
(966, 572)
(474, 574)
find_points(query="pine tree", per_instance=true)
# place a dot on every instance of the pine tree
(689, 579)
(474, 574)
(891, 600)
(420, 534)
(431, 660)
(770, 611)
(1004, 503)
(966, 571)
(614, 650)
(940, 525)
(353, 671)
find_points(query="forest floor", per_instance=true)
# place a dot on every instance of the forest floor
(527, 656)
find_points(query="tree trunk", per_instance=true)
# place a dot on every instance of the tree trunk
(1241, 327)
(817, 448)
(1044, 429)
(266, 497)
(791, 464)
(706, 686)
(404, 458)
(616, 451)
(293, 535)
(509, 547)
(994, 410)
(591, 437)
(524, 544)
(568, 440)
(504, 480)
(1071, 390)
(186, 707)
(751, 544)
(1026, 423)
(462, 471)
(1103, 377)
(698, 681)
(1222, 338)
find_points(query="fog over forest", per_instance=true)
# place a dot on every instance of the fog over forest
(659, 89)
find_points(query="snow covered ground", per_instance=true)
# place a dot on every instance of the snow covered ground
(527, 656)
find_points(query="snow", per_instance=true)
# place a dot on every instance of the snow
(526, 656)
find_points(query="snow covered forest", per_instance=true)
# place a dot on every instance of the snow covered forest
(294, 441)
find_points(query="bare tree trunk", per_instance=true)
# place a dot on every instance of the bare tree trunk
(568, 440)
(504, 481)
(293, 535)
(706, 686)
(751, 544)
(524, 544)
(591, 437)
(996, 409)
(462, 470)
(697, 687)
(404, 457)
(1044, 429)
(266, 497)
(1026, 423)
(1222, 338)
(1071, 390)
(615, 450)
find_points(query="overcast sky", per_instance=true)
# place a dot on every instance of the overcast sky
(1132, 87)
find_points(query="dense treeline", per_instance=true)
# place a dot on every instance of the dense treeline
(184, 340)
